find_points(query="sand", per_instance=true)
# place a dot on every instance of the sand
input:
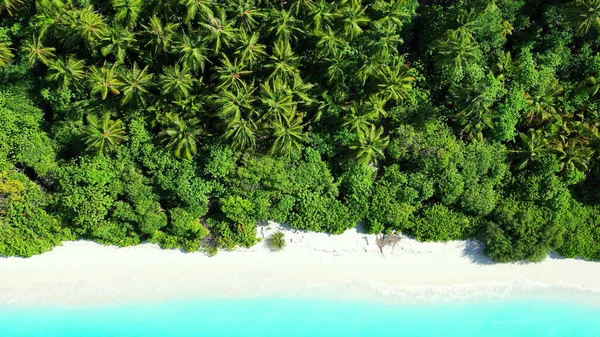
(348, 266)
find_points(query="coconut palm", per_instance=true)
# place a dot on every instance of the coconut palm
(321, 15)
(395, 81)
(277, 100)
(231, 105)
(136, 85)
(160, 35)
(393, 11)
(593, 85)
(102, 136)
(456, 51)
(572, 155)
(544, 104)
(66, 71)
(219, 32)
(241, 133)
(5, 54)
(328, 44)
(36, 52)
(387, 40)
(250, 51)
(127, 11)
(246, 14)
(118, 42)
(104, 80)
(284, 63)
(49, 14)
(88, 26)
(301, 7)
(195, 8)
(353, 17)
(336, 70)
(284, 26)
(181, 136)
(359, 119)
(288, 135)
(583, 15)
(176, 81)
(370, 145)
(10, 6)
(192, 52)
(230, 73)
(531, 146)
(369, 68)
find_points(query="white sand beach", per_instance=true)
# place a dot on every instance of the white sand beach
(348, 266)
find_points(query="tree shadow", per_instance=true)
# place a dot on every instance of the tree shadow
(474, 252)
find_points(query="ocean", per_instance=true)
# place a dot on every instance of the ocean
(280, 317)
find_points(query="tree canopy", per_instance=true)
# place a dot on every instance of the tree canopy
(188, 122)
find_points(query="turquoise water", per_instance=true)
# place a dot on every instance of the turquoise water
(313, 318)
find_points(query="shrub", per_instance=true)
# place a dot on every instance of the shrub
(276, 241)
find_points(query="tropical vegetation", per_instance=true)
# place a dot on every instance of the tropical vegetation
(188, 122)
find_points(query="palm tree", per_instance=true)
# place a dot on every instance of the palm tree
(181, 136)
(117, 42)
(89, 27)
(161, 35)
(104, 135)
(192, 52)
(395, 81)
(246, 14)
(370, 145)
(230, 73)
(104, 80)
(284, 25)
(532, 145)
(136, 85)
(176, 80)
(456, 51)
(393, 11)
(301, 7)
(474, 111)
(594, 85)
(241, 133)
(288, 135)
(231, 105)
(10, 6)
(196, 8)
(359, 119)
(36, 52)
(544, 104)
(66, 71)
(328, 44)
(5, 54)
(583, 15)
(353, 18)
(277, 100)
(220, 33)
(321, 15)
(250, 51)
(336, 70)
(572, 155)
(370, 67)
(284, 63)
(387, 41)
(127, 11)
(49, 14)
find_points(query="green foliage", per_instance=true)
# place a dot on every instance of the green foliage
(276, 241)
(187, 122)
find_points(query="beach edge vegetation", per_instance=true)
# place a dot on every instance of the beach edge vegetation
(185, 123)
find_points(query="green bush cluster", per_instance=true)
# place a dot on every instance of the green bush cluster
(188, 123)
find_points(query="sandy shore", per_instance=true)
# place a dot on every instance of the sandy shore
(348, 266)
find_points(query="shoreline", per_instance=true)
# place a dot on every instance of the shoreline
(313, 265)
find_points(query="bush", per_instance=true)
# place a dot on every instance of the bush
(276, 241)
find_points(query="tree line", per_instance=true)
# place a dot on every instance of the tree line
(187, 122)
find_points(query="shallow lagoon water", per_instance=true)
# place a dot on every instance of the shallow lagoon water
(304, 317)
